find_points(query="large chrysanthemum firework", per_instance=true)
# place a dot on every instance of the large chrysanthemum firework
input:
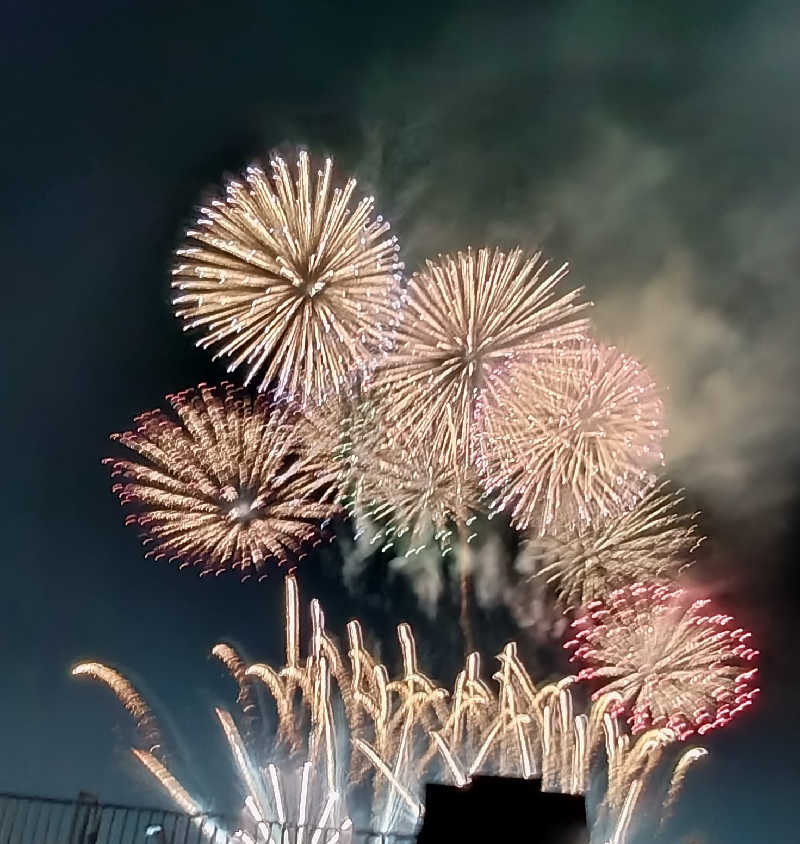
(652, 540)
(227, 484)
(672, 664)
(288, 279)
(575, 438)
(465, 318)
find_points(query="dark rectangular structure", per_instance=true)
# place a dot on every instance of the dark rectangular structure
(495, 810)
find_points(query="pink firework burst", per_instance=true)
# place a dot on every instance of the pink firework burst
(578, 438)
(672, 663)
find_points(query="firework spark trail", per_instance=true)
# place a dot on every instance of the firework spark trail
(393, 735)
(290, 280)
(689, 758)
(653, 540)
(245, 698)
(672, 664)
(177, 793)
(465, 318)
(573, 438)
(626, 814)
(228, 484)
(134, 703)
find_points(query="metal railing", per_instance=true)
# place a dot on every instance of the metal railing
(43, 820)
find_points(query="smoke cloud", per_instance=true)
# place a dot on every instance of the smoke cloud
(667, 172)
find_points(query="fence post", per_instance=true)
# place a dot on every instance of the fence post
(83, 829)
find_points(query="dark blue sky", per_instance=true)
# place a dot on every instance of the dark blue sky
(657, 150)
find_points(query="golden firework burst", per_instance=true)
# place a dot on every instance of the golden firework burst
(653, 539)
(466, 317)
(288, 279)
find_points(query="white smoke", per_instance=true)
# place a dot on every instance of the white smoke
(422, 568)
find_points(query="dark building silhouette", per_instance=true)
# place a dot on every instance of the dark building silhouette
(493, 810)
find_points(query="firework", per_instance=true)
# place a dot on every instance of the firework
(672, 664)
(177, 793)
(346, 730)
(687, 759)
(134, 703)
(653, 540)
(577, 439)
(415, 492)
(399, 491)
(465, 318)
(226, 484)
(246, 699)
(289, 279)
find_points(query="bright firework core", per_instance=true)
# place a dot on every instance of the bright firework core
(244, 510)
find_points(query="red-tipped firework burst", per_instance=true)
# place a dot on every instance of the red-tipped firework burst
(285, 276)
(226, 484)
(673, 664)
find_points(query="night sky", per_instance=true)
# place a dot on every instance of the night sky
(656, 150)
